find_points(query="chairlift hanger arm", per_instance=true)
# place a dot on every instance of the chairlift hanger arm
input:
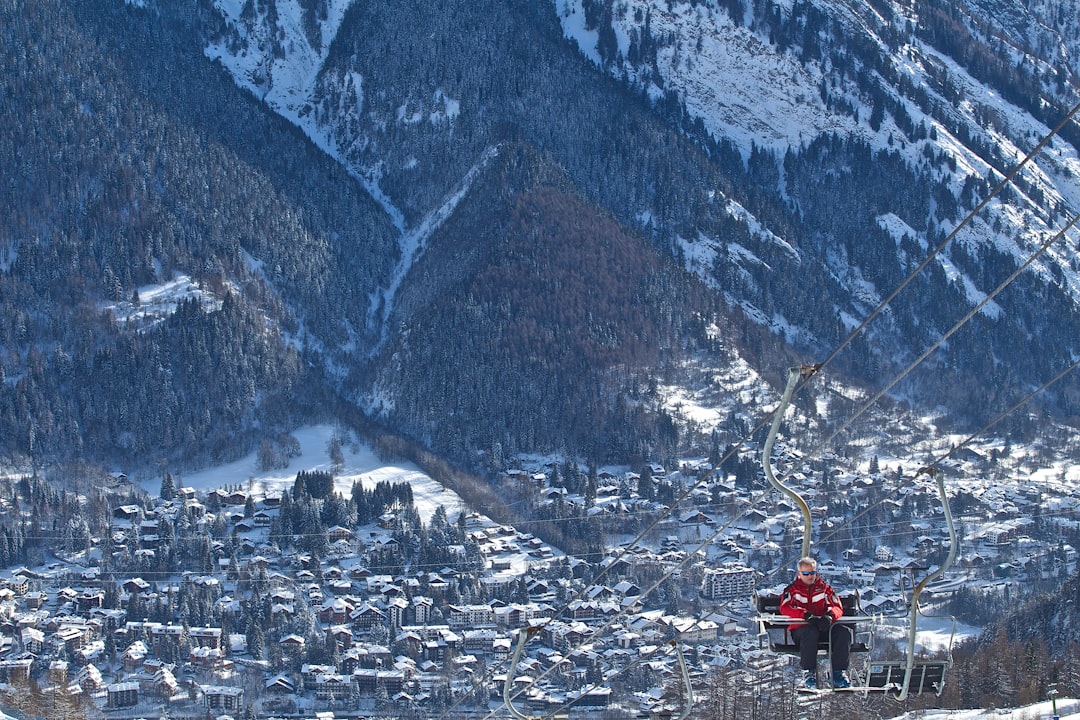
(794, 375)
(523, 637)
(689, 704)
(939, 478)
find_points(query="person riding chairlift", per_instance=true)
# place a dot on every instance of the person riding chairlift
(811, 599)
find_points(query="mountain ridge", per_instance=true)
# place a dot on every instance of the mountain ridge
(795, 244)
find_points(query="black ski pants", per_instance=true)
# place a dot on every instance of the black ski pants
(807, 638)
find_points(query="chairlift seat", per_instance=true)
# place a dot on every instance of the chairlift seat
(926, 676)
(776, 627)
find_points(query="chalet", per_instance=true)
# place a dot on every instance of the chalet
(134, 656)
(293, 644)
(309, 674)
(367, 617)
(280, 685)
(368, 681)
(592, 697)
(562, 637)
(33, 599)
(129, 513)
(164, 683)
(122, 695)
(226, 699)
(696, 517)
(208, 637)
(343, 636)
(478, 641)
(207, 657)
(135, 586)
(218, 497)
(332, 686)
(335, 612)
(92, 651)
(32, 639)
(338, 532)
(89, 600)
(71, 638)
(89, 678)
(18, 584)
(237, 497)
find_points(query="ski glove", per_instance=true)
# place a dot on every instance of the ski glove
(823, 623)
(808, 616)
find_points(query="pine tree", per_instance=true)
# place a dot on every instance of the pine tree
(168, 489)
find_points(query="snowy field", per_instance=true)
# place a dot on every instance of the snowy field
(1068, 709)
(932, 634)
(360, 464)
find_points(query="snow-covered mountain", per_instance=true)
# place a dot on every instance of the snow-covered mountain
(836, 144)
(516, 226)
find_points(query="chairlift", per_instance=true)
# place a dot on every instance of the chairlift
(899, 677)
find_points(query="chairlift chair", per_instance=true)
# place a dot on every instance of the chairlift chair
(900, 677)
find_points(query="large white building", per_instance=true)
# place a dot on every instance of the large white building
(727, 582)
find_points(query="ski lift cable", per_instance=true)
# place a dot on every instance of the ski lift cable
(948, 238)
(806, 372)
(1005, 413)
(949, 333)
(934, 253)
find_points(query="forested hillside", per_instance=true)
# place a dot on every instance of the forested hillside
(863, 139)
(130, 160)
(504, 228)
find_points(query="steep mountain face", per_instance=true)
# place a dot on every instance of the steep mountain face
(131, 163)
(535, 320)
(799, 158)
(495, 226)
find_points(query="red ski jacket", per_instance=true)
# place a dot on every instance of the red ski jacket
(818, 599)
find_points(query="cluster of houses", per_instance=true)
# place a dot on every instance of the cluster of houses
(392, 643)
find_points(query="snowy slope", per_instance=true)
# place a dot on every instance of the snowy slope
(1068, 709)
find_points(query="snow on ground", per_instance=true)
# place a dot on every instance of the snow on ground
(160, 300)
(1068, 709)
(932, 634)
(360, 464)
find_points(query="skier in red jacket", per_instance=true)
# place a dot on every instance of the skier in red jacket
(811, 599)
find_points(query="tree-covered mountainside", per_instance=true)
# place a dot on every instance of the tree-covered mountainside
(130, 160)
(549, 338)
(506, 227)
(866, 136)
